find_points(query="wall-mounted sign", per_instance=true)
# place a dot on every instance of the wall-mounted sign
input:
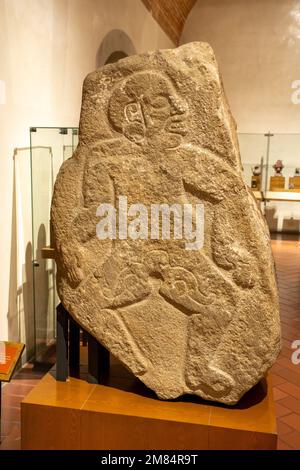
(10, 353)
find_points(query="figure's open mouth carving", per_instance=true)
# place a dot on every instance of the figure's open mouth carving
(176, 125)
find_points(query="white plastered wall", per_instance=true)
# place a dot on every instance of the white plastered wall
(257, 46)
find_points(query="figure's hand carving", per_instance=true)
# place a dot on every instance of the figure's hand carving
(72, 262)
(181, 287)
(121, 285)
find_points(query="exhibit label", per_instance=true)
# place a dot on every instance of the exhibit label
(9, 356)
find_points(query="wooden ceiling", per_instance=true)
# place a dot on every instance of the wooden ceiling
(170, 15)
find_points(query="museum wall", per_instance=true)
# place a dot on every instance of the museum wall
(257, 45)
(47, 47)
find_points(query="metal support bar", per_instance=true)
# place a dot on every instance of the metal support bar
(84, 338)
(268, 135)
(68, 350)
(62, 343)
(98, 361)
(74, 348)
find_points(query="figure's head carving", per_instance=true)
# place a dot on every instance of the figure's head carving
(146, 105)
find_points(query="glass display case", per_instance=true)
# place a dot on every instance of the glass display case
(49, 147)
(282, 205)
(280, 191)
(253, 149)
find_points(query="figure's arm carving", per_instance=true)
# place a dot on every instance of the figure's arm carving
(200, 171)
(67, 250)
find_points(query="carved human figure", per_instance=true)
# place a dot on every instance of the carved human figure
(166, 312)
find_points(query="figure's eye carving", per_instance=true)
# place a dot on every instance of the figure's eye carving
(133, 107)
(133, 112)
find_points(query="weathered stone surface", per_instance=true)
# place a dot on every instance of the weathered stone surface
(157, 129)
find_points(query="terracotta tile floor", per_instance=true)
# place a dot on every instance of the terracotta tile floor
(12, 395)
(286, 376)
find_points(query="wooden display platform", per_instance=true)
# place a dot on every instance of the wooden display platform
(124, 414)
(48, 252)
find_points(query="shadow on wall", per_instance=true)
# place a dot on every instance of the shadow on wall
(12, 314)
(288, 224)
(27, 291)
(115, 56)
(20, 315)
(41, 288)
(115, 45)
(29, 318)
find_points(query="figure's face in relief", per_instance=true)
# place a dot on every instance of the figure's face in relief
(148, 107)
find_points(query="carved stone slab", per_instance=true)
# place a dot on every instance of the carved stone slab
(156, 128)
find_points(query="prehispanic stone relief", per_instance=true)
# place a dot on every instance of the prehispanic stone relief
(185, 316)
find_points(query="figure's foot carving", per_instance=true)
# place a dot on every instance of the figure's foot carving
(217, 382)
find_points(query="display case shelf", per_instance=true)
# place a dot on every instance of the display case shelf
(283, 196)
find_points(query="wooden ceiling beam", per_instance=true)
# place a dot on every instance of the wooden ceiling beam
(170, 15)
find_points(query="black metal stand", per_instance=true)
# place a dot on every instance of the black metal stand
(98, 361)
(62, 343)
(68, 350)
(84, 338)
(74, 348)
